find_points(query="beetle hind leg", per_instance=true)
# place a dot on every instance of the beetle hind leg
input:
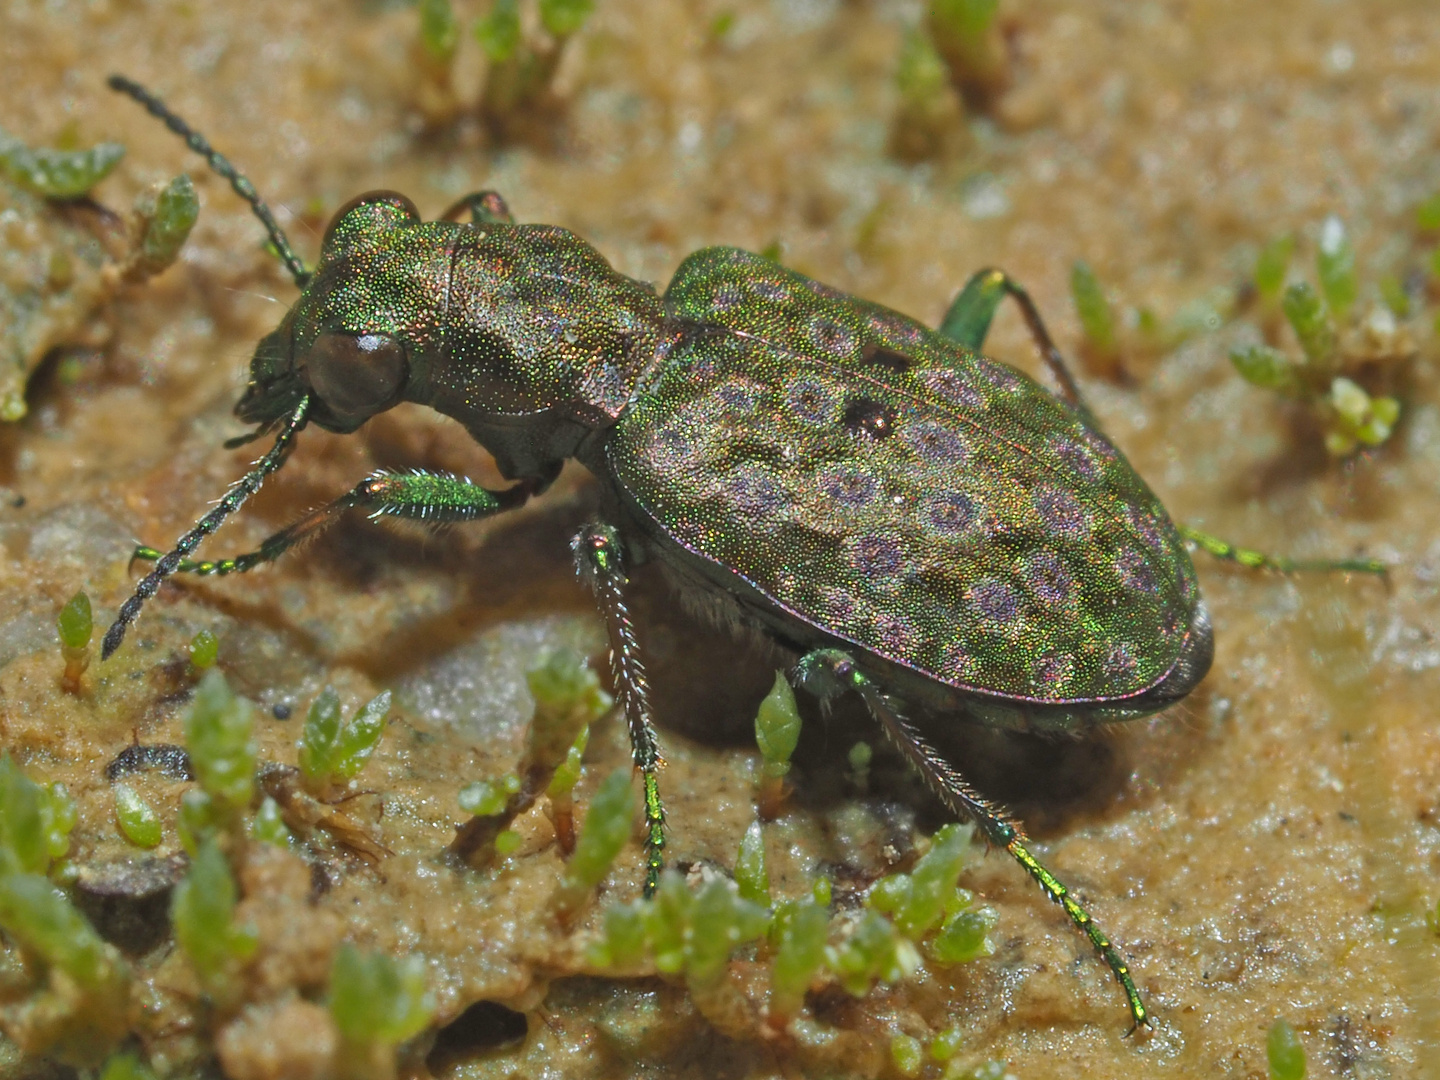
(598, 560)
(827, 673)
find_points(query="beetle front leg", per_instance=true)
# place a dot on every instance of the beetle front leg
(419, 496)
(598, 560)
(828, 673)
(485, 207)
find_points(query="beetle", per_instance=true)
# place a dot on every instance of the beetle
(908, 519)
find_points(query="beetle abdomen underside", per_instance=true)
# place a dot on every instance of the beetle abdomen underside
(849, 464)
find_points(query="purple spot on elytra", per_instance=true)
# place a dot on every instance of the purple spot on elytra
(1001, 376)
(937, 444)
(770, 290)
(995, 601)
(1076, 456)
(809, 400)
(670, 443)
(755, 492)
(878, 555)
(726, 297)
(831, 337)
(954, 388)
(1052, 670)
(1047, 579)
(1135, 572)
(953, 513)
(1062, 513)
(737, 398)
(847, 486)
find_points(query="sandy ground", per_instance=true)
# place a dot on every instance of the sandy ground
(1265, 850)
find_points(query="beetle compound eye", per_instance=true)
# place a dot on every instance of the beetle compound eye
(356, 374)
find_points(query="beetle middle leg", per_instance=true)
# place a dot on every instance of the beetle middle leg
(967, 323)
(419, 496)
(828, 673)
(599, 562)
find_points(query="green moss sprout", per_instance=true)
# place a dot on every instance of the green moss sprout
(125, 1067)
(777, 733)
(488, 797)
(602, 835)
(906, 1054)
(75, 627)
(57, 174)
(1284, 1052)
(202, 911)
(78, 1007)
(751, 876)
(222, 749)
(165, 224)
(1348, 369)
(35, 821)
(204, 651)
(929, 117)
(966, 34)
(269, 825)
(439, 32)
(137, 819)
(332, 751)
(799, 934)
(377, 1002)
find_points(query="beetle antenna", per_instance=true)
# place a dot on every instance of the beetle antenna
(221, 165)
(241, 490)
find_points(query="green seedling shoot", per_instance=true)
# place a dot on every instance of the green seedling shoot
(799, 937)
(222, 748)
(1335, 357)
(166, 221)
(57, 174)
(966, 35)
(35, 821)
(777, 733)
(521, 70)
(125, 1067)
(751, 876)
(75, 627)
(204, 651)
(929, 115)
(743, 408)
(568, 698)
(602, 835)
(332, 751)
(377, 1002)
(78, 1008)
(906, 1054)
(202, 910)
(137, 819)
(269, 825)
(1284, 1052)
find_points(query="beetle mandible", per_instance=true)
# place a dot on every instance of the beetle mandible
(896, 511)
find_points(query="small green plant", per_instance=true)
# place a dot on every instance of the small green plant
(165, 221)
(751, 876)
(35, 821)
(1345, 369)
(521, 70)
(269, 825)
(202, 910)
(204, 651)
(57, 174)
(377, 1002)
(798, 935)
(74, 627)
(966, 34)
(906, 1054)
(332, 751)
(125, 1067)
(777, 733)
(929, 116)
(78, 1007)
(137, 819)
(602, 835)
(1284, 1053)
(222, 748)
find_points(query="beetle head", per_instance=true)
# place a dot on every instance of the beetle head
(374, 302)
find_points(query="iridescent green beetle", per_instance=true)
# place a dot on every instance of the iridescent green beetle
(898, 512)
